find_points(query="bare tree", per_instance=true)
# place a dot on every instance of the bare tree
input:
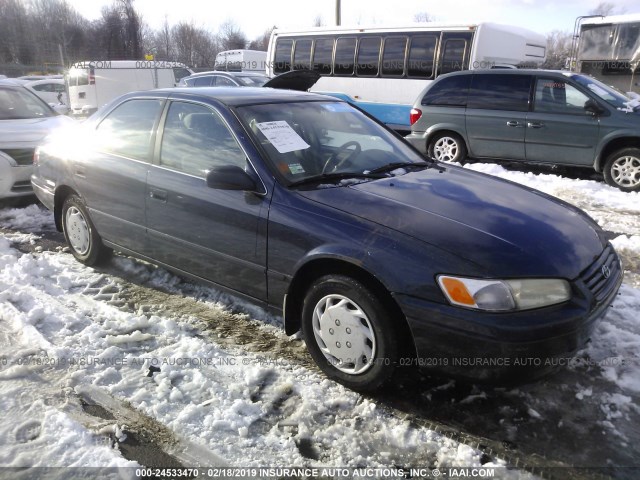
(606, 8)
(262, 42)
(558, 49)
(423, 17)
(231, 37)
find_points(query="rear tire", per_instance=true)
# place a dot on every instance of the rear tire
(447, 147)
(622, 170)
(349, 333)
(80, 233)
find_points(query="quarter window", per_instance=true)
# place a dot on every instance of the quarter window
(128, 129)
(345, 55)
(450, 92)
(369, 56)
(557, 96)
(195, 139)
(202, 81)
(500, 92)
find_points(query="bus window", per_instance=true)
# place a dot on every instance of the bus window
(302, 55)
(393, 56)
(283, 56)
(368, 57)
(453, 54)
(345, 56)
(322, 55)
(421, 55)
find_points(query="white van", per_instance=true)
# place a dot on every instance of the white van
(241, 61)
(92, 84)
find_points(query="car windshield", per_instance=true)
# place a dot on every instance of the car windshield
(18, 103)
(311, 141)
(252, 80)
(605, 92)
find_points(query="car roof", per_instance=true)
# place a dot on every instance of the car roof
(233, 96)
(511, 71)
(232, 74)
(10, 82)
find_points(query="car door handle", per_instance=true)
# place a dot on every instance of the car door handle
(158, 194)
(535, 124)
(513, 123)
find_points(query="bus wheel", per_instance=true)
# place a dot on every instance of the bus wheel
(622, 170)
(447, 147)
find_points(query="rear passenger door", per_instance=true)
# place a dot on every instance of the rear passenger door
(559, 129)
(496, 115)
(215, 234)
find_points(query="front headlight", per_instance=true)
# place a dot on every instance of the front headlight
(504, 295)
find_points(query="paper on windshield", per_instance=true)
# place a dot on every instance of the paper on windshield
(282, 136)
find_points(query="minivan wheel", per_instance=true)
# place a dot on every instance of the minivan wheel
(447, 147)
(622, 170)
(348, 333)
(80, 234)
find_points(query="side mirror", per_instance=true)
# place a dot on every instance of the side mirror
(593, 108)
(230, 177)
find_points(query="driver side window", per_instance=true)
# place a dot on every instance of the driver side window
(195, 139)
(557, 96)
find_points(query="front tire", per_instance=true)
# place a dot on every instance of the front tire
(447, 147)
(622, 170)
(348, 333)
(80, 234)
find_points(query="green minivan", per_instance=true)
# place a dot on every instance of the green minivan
(531, 116)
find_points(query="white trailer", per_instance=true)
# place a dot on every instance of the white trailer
(241, 61)
(94, 83)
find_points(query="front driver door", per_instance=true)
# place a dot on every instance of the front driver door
(219, 235)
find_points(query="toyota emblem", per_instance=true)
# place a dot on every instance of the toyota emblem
(605, 271)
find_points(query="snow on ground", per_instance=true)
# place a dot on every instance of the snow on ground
(63, 334)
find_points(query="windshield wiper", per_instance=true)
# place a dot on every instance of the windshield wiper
(394, 165)
(335, 176)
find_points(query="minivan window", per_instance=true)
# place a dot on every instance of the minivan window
(557, 96)
(500, 92)
(449, 91)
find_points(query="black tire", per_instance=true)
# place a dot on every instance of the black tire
(447, 147)
(81, 235)
(372, 319)
(622, 170)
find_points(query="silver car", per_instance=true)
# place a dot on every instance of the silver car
(25, 121)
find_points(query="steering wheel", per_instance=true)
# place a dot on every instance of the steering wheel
(335, 157)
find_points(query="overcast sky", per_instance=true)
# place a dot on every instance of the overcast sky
(255, 16)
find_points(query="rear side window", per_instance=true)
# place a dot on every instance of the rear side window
(451, 92)
(500, 92)
(202, 81)
(127, 130)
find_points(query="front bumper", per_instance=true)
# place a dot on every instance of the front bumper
(505, 347)
(14, 179)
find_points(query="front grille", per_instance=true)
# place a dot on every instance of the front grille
(594, 277)
(22, 187)
(22, 156)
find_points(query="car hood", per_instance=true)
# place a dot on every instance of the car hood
(301, 80)
(479, 218)
(30, 130)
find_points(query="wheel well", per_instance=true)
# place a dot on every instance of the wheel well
(61, 195)
(318, 268)
(448, 132)
(615, 145)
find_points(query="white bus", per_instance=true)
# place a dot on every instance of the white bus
(94, 83)
(608, 48)
(383, 69)
(241, 61)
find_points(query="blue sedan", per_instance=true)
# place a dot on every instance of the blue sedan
(309, 207)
